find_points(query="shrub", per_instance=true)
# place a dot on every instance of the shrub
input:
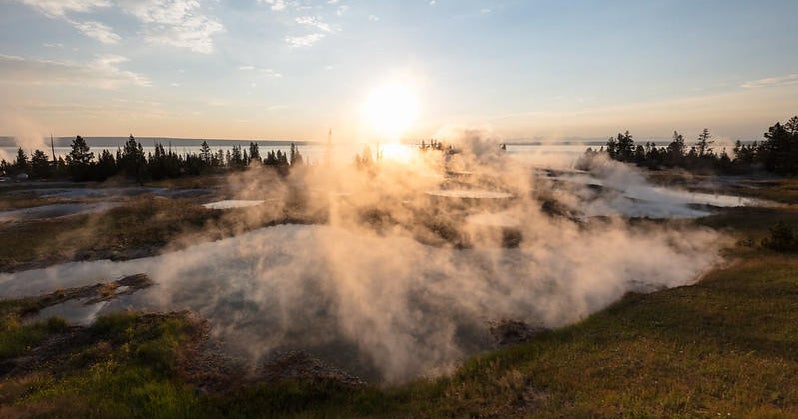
(782, 238)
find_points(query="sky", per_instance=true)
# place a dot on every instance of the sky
(293, 69)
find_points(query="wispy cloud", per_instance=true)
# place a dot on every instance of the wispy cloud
(341, 10)
(786, 80)
(178, 23)
(374, 18)
(103, 72)
(4, 57)
(268, 72)
(59, 8)
(276, 5)
(313, 22)
(304, 41)
(98, 31)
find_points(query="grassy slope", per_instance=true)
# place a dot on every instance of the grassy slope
(726, 346)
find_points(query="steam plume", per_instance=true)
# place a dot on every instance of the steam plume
(399, 283)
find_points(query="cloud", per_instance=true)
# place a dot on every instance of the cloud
(98, 31)
(103, 72)
(341, 10)
(59, 8)
(178, 23)
(268, 72)
(4, 57)
(787, 80)
(304, 41)
(314, 22)
(374, 18)
(276, 5)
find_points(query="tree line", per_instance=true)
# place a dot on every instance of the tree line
(130, 160)
(776, 153)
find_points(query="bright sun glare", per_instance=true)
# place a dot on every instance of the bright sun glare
(396, 152)
(390, 110)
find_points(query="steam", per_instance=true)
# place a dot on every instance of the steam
(399, 283)
(27, 133)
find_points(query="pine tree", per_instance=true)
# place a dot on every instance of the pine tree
(79, 160)
(626, 146)
(676, 148)
(296, 157)
(205, 153)
(40, 165)
(106, 165)
(21, 164)
(133, 160)
(704, 143)
(254, 152)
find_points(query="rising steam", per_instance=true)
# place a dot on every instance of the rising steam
(26, 132)
(402, 281)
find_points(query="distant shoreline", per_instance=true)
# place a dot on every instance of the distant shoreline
(120, 141)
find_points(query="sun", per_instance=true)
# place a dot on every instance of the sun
(390, 110)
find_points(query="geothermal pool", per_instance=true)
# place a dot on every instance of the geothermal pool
(232, 203)
(628, 194)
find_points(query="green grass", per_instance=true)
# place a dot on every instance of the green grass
(126, 367)
(18, 339)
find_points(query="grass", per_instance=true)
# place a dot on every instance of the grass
(784, 190)
(125, 365)
(19, 339)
